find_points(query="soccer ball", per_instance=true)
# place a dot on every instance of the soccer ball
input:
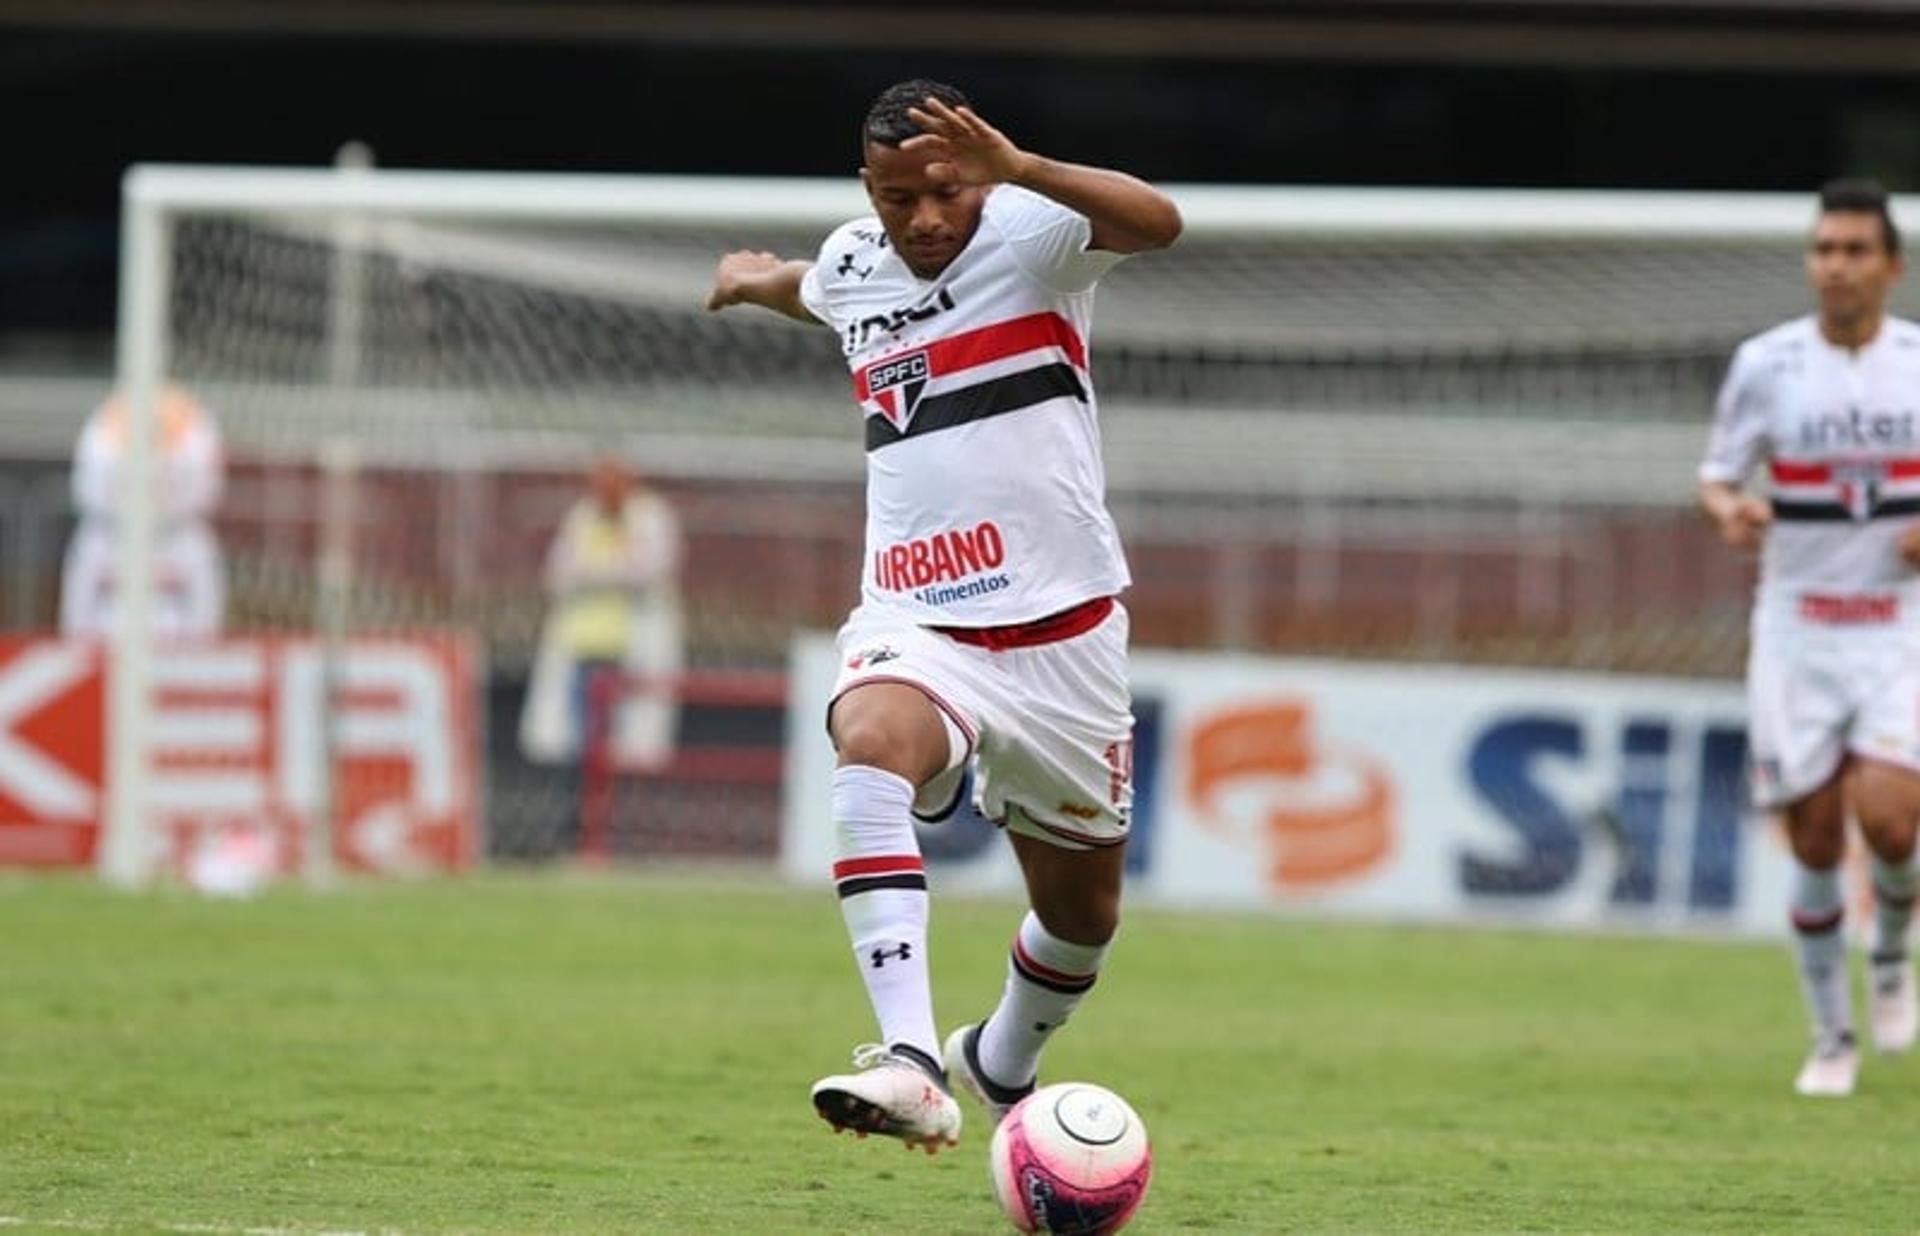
(1070, 1157)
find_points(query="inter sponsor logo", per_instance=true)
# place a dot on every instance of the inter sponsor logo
(1858, 428)
(944, 557)
(861, 333)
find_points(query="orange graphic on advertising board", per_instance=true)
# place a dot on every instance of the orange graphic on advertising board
(1322, 814)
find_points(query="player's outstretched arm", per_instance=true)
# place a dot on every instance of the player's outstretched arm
(1741, 517)
(748, 278)
(1128, 214)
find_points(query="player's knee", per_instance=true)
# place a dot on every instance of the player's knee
(871, 742)
(1818, 840)
(1886, 801)
(877, 741)
(1819, 848)
(1817, 828)
(1819, 851)
(891, 727)
(1889, 833)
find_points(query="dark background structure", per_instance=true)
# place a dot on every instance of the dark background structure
(1720, 94)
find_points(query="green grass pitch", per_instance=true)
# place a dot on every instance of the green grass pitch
(560, 1053)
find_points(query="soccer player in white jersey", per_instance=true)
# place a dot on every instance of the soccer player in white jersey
(988, 628)
(1831, 404)
(189, 584)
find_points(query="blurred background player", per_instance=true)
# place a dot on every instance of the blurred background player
(1832, 403)
(189, 586)
(612, 573)
(988, 625)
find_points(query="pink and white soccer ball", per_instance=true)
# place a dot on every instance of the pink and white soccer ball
(1070, 1157)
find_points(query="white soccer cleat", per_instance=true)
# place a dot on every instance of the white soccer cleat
(1830, 1071)
(894, 1094)
(962, 1058)
(1892, 1007)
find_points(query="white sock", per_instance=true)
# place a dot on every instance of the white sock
(1820, 946)
(1047, 977)
(883, 897)
(1893, 887)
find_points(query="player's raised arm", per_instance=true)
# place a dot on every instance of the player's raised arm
(749, 278)
(1128, 214)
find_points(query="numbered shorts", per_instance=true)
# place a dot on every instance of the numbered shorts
(1048, 728)
(1818, 693)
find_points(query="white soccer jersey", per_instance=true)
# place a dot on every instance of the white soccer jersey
(1840, 432)
(986, 495)
(189, 598)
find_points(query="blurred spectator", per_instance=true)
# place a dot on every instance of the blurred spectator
(612, 573)
(189, 579)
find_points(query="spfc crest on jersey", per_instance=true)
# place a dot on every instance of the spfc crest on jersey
(1859, 482)
(895, 385)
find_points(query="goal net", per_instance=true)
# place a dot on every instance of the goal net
(1447, 425)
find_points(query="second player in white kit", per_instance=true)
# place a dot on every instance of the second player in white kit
(1830, 405)
(189, 584)
(989, 630)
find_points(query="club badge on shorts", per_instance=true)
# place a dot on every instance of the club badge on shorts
(875, 654)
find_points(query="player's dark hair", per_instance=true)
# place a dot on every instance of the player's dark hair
(887, 121)
(1862, 197)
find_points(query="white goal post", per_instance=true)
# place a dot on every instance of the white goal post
(1481, 331)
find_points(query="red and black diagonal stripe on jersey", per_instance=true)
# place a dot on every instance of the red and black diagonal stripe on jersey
(1811, 492)
(1059, 369)
(853, 876)
(1044, 976)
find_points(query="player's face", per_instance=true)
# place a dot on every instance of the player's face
(1849, 266)
(928, 224)
(611, 484)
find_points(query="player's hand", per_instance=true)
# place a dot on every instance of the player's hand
(739, 275)
(1910, 545)
(1744, 521)
(968, 150)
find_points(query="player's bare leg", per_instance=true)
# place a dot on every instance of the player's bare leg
(891, 739)
(1886, 801)
(1816, 829)
(1055, 958)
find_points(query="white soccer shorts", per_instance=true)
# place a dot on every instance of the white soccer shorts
(1049, 728)
(1816, 693)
